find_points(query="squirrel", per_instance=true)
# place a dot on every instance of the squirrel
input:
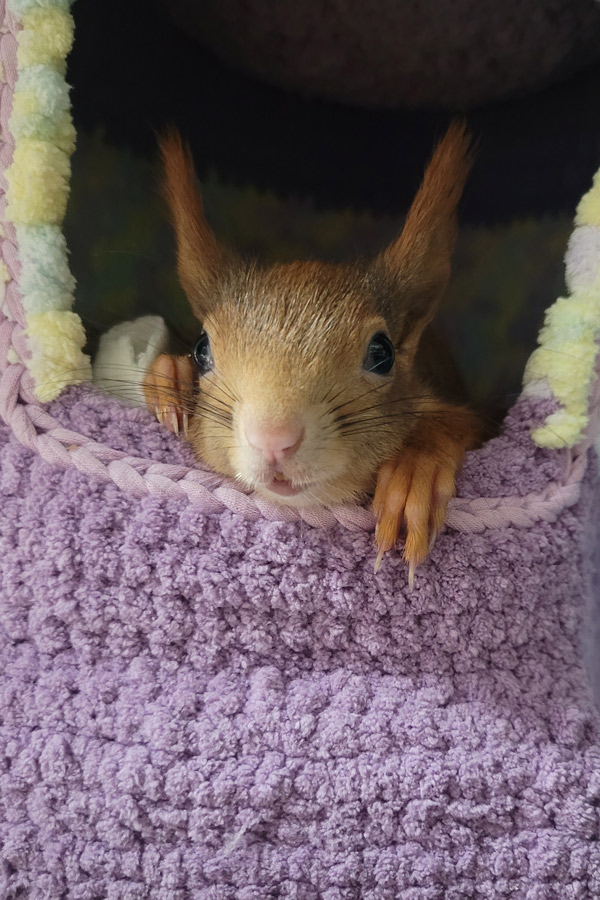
(319, 383)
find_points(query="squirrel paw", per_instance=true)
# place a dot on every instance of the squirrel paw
(169, 390)
(414, 490)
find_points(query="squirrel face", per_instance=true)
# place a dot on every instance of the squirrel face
(299, 387)
(306, 372)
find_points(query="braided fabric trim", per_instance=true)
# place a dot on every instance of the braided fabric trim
(38, 430)
(13, 339)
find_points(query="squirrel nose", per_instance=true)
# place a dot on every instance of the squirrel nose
(276, 443)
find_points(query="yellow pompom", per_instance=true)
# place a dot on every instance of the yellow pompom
(65, 134)
(588, 210)
(46, 37)
(565, 360)
(561, 429)
(25, 103)
(38, 184)
(55, 340)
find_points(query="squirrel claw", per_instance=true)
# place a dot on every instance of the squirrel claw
(413, 491)
(168, 389)
(415, 488)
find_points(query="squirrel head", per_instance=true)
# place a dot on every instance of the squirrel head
(306, 372)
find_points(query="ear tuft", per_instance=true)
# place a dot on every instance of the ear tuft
(437, 199)
(200, 259)
(419, 260)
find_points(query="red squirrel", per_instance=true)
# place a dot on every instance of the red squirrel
(318, 383)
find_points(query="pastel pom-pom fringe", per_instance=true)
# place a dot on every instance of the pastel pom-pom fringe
(38, 189)
(564, 364)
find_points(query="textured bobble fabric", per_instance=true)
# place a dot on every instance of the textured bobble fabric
(415, 53)
(202, 706)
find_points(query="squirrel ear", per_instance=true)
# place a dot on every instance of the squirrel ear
(418, 262)
(200, 259)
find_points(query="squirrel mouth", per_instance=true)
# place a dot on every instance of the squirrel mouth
(281, 485)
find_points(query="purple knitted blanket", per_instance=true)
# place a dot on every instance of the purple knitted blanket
(203, 706)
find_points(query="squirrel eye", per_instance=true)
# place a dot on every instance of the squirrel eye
(380, 355)
(202, 355)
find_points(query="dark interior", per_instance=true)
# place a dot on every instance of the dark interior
(287, 176)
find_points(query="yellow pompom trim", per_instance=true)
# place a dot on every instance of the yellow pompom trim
(38, 181)
(588, 210)
(25, 103)
(561, 429)
(46, 38)
(565, 360)
(54, 339)
(66, 136)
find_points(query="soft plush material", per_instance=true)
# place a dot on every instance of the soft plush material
(129, 349)
(206, 696)
(205, 706)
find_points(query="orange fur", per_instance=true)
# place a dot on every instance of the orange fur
(415, 488)
(169, 391)
(200, 259)
(419, 260)
(288, 345)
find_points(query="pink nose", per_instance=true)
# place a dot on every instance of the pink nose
(276, 443)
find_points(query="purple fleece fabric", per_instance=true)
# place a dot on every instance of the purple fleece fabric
(206, 707)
